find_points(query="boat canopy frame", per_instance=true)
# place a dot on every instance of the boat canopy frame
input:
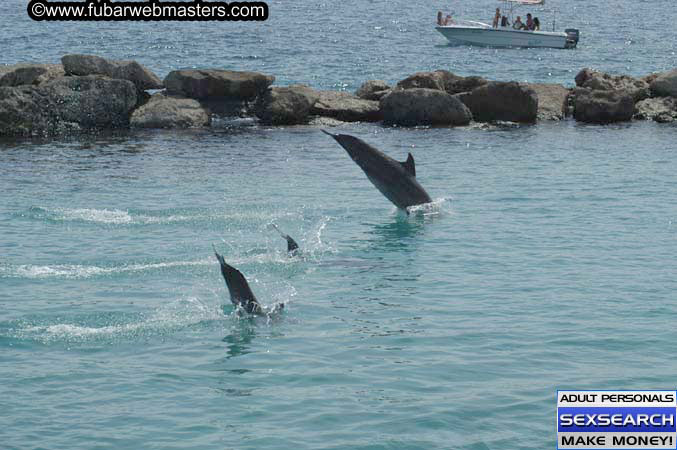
(511, 5)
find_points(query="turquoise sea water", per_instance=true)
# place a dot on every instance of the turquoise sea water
(548, 262)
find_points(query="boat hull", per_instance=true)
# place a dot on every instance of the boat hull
(500, 37)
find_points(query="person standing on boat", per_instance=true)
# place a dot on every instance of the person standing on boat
(537, 24)
(530, 22)
(497, 17)
(504, 22)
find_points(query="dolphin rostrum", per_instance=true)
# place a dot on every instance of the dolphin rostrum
(240, 293)
(396, 180)
(292, 246)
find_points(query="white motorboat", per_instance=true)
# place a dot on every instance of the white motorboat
(467, 32)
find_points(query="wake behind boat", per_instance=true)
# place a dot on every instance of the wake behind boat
(505, 31)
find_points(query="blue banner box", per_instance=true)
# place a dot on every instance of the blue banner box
(615, 419)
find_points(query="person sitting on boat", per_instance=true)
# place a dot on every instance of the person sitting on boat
(504, 22)
(497, 17)
(518, 25)
(537, 24)
(530, 22)
(448, 20)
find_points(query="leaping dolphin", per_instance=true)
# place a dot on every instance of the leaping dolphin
(292, 246)
(240, 293)
(396, 180)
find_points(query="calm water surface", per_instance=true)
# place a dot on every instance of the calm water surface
(547, 264)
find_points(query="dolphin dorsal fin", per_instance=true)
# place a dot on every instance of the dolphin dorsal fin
(410, 166)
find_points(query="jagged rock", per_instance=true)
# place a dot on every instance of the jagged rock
(325, 122)
(602, 106)
(463, 84)
(66, 104)
(649, 78)
(286, 105)
(346, 107)
(209, 83)
(664, 118)
(82, 65)
(661, 109)
(665, 84)
(428, 80)
(373, 90)
(378, 95)
(227, 107)
(25, 74)
(595, 80)
(552, 100)
(507, 101)
(442, 80)
(163, 111)
(419, 106)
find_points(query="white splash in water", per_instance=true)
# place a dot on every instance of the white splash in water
(179, 314)
(114, 216)
(436, 207)
(122, 217)
(76, 271)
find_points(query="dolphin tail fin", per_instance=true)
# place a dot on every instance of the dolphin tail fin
(292, 246)
(330, 134)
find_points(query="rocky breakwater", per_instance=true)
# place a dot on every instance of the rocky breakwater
(604, 98)
(193, 96)
(66, 104)
(87, 92)
(444, 98)
(84, 92)
(299, 104)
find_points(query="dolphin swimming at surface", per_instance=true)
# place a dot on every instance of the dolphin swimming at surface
(292, 246)
(240, 293)
(396, 180)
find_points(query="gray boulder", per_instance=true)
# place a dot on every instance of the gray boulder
(458, 84)
(163, 111)
(26, 74)
(211, 83)
(665, 84)
(373, 90)
(441, 80)
(378, 95)
(66, 104)
(225, 107)
(289, 105)
(428, 80)
(502, 101)
(661, 109)
(602, 106)
(420, 106)
(346, 107)
(82, 65)
(638, 88)
(552, 100)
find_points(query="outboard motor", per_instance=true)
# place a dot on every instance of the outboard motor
(572, 37)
